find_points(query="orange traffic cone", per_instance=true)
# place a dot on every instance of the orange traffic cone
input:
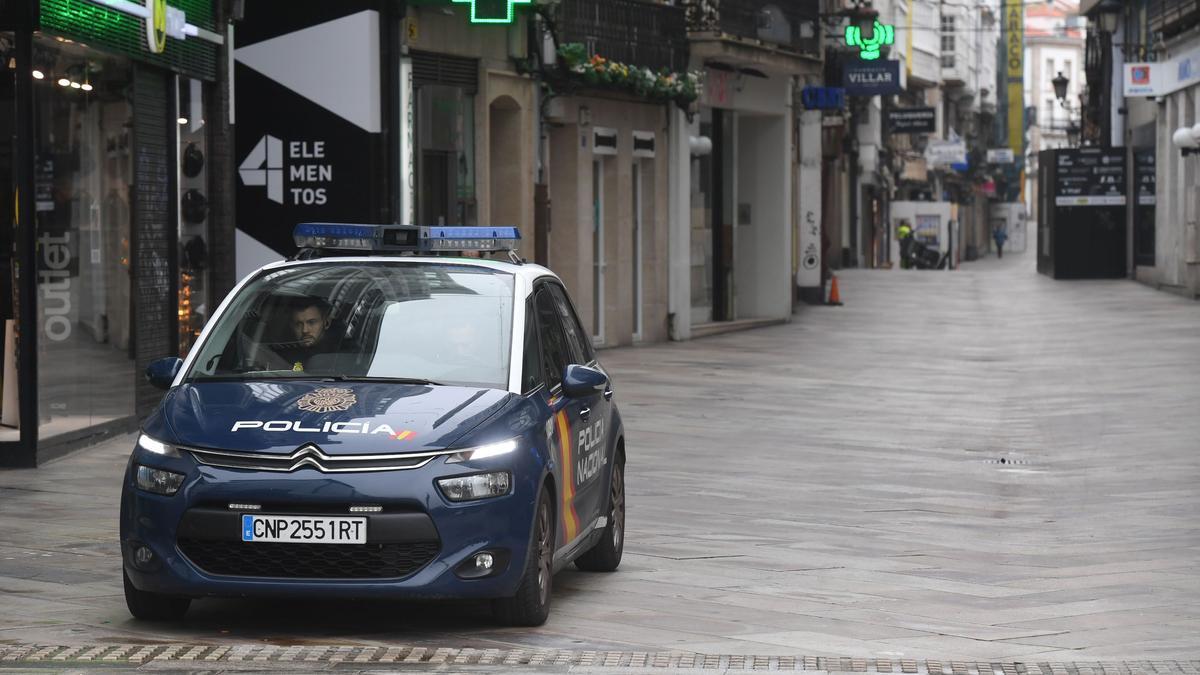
(835, 298)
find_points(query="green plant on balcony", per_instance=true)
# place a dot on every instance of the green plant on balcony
(683, 88)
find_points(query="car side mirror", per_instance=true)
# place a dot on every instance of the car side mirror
(161, 373)
(583, 382)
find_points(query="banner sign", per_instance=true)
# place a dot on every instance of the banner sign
(1014, 58)
(872, 78)
(912, 121)
(1162, 78)
(1000, 156)
(1090, 177)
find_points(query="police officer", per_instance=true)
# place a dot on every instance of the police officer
(309, 324)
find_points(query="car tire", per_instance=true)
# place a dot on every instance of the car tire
(153, 606)
(605, 555)
(531, 605)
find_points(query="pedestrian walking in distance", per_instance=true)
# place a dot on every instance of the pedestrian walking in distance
(1000, 236)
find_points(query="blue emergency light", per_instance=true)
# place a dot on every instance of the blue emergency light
(405, 238)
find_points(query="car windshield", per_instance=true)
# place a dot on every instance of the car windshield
(444, 323)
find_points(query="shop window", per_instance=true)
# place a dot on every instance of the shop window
(194, 300)
(82, 176)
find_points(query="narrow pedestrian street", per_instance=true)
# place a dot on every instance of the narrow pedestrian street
(981, 465)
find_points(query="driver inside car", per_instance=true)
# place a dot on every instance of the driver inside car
(308, 324)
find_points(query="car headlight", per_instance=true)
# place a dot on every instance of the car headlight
(157, 447)
(484, 451)
(158, 481)
(476, 486)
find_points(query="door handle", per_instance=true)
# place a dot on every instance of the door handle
(608, 394)
(584, 413)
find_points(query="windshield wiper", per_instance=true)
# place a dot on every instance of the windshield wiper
(369, 378)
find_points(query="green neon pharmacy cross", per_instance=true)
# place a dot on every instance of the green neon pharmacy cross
(869, 49)
(493, 11)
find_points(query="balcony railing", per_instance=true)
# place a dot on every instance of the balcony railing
(1172, 17)
(636, 32)
(792, 25)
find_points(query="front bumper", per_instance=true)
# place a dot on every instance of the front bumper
(417, 542)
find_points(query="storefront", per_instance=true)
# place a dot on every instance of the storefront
(104, 257)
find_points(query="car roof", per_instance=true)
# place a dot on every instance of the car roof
(528, 271)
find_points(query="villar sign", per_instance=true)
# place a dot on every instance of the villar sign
(872, 78)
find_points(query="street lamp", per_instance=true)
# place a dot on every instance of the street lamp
(1060, 87)
(1108, 15)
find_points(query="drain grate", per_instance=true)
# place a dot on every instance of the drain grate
(1008, 461)
(353, 655)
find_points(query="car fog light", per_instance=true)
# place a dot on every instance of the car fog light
(476, 486)
(158, 481)
(484, 561)
(142, 556)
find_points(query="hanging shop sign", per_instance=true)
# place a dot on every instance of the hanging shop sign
(823, 98)
(1014, 59)
(912, 121)
(1089, 177)
(946, 153)
(1000, 156)
(493, 11)
(871, 48)
(872, 78)
(1162, 78)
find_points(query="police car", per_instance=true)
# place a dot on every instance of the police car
(376, 419)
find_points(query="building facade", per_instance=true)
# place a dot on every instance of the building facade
(118, 169)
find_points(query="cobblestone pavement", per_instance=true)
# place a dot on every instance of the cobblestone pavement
(967, 473)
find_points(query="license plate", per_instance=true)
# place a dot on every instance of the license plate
(304, 529)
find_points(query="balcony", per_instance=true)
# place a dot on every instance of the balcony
(787, 25)
(635, 32)
(1172, 17)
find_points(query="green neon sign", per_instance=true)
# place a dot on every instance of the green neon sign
(869, 49)
(493, 11)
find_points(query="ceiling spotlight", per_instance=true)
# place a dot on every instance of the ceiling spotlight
(38, 75)
(64, 82)
(85, 86)
(182, 120)
(76, 85)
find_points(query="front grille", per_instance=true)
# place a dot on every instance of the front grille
(309, 561)
(310, 455)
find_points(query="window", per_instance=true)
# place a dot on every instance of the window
(84, 180)
(531, 367)
(581, 347)
(947, 41)
(556, 353)
(450, 324)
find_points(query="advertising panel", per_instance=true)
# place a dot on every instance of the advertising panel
(1014, 58)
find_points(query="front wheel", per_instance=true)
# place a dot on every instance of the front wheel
(605, 555)
(152, 606)
(531, 605)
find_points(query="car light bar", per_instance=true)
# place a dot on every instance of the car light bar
(399, 238)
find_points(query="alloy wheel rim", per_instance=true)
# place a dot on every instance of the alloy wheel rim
(544, 553)
(618, 505)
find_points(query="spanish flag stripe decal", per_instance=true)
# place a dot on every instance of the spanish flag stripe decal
(570, 518)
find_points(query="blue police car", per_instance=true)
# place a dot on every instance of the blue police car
(376, 419)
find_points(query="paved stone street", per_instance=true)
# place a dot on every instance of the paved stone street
(983, 466)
